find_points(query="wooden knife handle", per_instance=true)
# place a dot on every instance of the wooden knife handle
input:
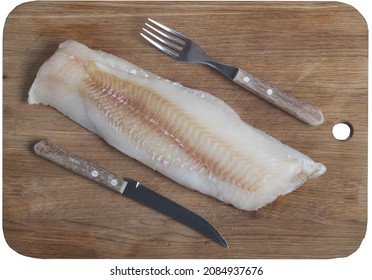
(288, 103)
(49, 150)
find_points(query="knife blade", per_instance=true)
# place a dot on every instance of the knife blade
(129, 188)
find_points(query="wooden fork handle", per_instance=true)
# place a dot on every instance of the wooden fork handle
(288, 103)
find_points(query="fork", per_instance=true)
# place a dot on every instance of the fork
(181, 48)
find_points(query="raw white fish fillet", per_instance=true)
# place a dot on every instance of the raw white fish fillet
(186, 134)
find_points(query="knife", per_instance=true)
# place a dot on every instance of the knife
(129, 188)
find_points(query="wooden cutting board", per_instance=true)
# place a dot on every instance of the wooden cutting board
(316, 51)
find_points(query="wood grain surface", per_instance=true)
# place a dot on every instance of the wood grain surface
(316, 51)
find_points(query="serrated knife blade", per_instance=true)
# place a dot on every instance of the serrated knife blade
(129, 188)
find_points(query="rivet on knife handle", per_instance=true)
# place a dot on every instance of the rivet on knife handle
(288, 103)
(49, 150)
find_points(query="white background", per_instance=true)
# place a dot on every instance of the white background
(16, 266)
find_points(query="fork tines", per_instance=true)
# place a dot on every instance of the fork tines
(165, 39)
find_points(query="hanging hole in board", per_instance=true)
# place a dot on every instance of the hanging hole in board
(342, 131)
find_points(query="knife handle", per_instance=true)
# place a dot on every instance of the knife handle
(288, 103)
(49, 150)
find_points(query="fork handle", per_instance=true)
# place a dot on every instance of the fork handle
(288, 103)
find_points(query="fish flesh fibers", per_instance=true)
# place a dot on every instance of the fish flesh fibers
(186, 134)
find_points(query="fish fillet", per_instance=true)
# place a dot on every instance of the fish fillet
(188, 135)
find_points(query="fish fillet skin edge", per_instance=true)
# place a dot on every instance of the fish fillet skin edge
(188, 135)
